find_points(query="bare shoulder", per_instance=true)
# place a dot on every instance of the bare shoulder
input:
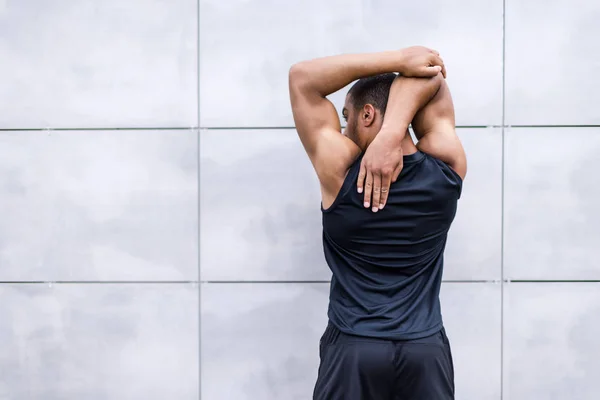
(334, 157)
(318, 126)
(437, 114)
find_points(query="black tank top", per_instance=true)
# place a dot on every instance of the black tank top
(387, 266)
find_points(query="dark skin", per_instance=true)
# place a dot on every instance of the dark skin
(426, 102)
(429, 103)
(318, 125)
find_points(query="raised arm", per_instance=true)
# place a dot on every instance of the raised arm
(315, 117)
(407, 97)
(382, 162)
(434, 127)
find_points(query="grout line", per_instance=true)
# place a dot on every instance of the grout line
(148, 128)
(250, 128)
(553, 281)
(237, 282)
(163, 282)
(253, 128)
(198, 201)
(553, 126)
(262, 282)
(502, 286)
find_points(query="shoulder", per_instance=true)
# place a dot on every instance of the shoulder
(332, 160)
(334, 154)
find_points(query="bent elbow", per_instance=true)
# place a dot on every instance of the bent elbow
(298, 75)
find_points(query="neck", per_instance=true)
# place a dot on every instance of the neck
(407, 144)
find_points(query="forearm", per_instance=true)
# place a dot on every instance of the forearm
(329, 74)
(407, 96)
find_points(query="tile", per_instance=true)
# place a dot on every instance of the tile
(473, 251)
(84, 63)
(551, 203)
(550, 341)
(260, 215)
(99, 205)
(260, 341)
(99, 341)
(247, 48)
(472, 319)
(547, 80)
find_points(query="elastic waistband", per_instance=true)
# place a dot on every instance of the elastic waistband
(333, 335)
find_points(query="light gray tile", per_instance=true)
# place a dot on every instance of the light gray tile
(474, 241)
(247, 48)
(99, 205)
(88, 63)
(82, 341)
(260, 215)
(260, 341)
(550, 69)
(472, 318)
(260, 195)
(551, 203)
(551, 341)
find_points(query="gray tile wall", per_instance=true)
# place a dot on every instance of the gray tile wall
(161, 225)
(99, 272)
(98, 63)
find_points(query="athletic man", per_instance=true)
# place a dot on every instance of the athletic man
(385, 338)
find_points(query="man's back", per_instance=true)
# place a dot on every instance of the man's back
(386, 259)
(387, 266)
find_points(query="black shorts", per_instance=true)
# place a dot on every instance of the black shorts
(354, 367)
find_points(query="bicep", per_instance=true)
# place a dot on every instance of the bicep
(434, 127)
(319, 129)
(446, 146)
(314, 115)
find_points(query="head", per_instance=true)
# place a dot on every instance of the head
(365, 106)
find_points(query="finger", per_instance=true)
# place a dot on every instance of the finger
(386, 182)
(397, 171)
(368, 189)
(430, 72)
(361, 177)
(441, 63)
(437, 60)
(376, 192)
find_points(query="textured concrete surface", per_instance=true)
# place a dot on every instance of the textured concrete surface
(112, 233)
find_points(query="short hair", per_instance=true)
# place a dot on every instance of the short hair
(373, 90)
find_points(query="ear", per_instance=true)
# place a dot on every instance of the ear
(368, 115)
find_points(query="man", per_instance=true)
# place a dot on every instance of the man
(383, 240)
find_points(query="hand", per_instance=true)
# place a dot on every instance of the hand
(421, 62)
(381, 165)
